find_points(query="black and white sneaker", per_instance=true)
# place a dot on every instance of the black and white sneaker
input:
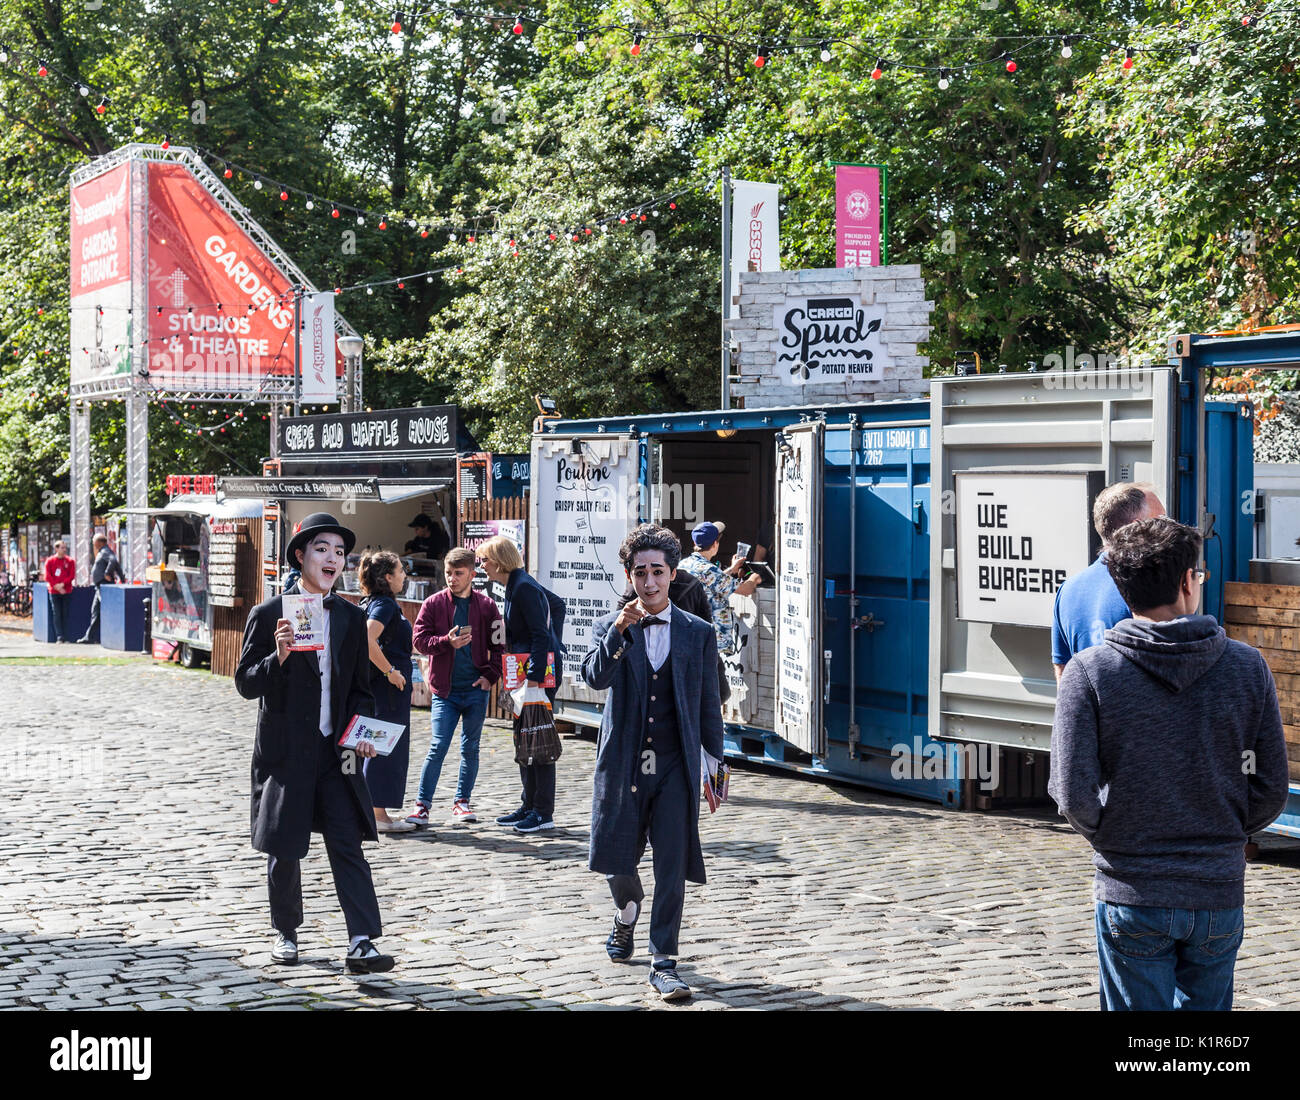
(664, 979)
(514, 817)
(284, 952)
(619, 944)
(534, 823)
(366, 959)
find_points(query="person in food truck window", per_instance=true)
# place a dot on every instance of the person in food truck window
(382, 579)
(430, 539)
(302, 781)
(1151, 731)
(106, 570)
(1088, 604)
(528, 629)
(719, 583)
(660, 666)
(60, 572)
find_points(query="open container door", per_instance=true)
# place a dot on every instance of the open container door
(799, 672)
(585, 499)
(1017, 462)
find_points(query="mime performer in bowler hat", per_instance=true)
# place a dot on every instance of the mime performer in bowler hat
(302, 781)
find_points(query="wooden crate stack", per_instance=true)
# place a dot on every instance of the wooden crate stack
(1267, 616)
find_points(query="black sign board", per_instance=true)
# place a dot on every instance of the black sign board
(299, 488)
(428, 433)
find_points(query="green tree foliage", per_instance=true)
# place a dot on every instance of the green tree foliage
(1063, 203)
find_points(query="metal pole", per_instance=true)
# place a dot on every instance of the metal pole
(275, 428)
(726, 286)
(297, 351)
(853, 587)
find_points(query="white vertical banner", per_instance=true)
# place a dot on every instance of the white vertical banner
(319, 368)
(755, 229)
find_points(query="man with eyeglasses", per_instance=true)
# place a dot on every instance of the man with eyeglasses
(1167, 754)
(1088, 604)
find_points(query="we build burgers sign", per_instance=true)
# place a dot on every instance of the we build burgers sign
(1018, 537)
(209, 309)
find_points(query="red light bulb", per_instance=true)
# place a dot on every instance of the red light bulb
(518, 28)
(284, 196)
(334, 213)
(1011, 66)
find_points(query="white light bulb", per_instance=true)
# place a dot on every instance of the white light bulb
(309, 204)
(699, 44)
(1194, 58)
(83, 89)
(580, 46)
(943, 83)
(257, 185)
(1067, 51)
(4, 57)
(370, 290)
(361, 220)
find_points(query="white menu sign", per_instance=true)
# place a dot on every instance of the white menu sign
(798, 612)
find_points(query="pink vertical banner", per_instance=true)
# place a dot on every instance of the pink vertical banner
(859, 215)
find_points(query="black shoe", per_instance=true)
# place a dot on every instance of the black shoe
(534, 823)
(514, 817)
(664, 979)
(366, 959)
(619, 944)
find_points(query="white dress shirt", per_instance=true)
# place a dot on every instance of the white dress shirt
(657, 638)
(326, 676)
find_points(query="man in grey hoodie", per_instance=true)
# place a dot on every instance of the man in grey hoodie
(1167, 754)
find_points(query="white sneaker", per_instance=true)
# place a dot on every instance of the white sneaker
(460, 811)
(395, 827)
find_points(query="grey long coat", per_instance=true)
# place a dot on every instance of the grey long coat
(619, 663)
(288, 724)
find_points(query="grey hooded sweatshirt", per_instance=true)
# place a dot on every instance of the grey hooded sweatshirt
(1167, 753)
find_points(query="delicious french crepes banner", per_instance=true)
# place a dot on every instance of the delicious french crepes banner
(100, 275)
(221, 313)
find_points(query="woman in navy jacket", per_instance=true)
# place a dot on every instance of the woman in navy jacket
(527, 614)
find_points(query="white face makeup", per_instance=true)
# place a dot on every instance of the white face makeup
(650, 577)
(322, 563)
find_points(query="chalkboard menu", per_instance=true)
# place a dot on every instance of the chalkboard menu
(226, 539)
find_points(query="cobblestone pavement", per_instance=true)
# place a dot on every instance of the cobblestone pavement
(128, 881)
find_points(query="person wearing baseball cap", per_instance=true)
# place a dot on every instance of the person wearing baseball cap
(302, 781)
(430, 539)
(719, 583)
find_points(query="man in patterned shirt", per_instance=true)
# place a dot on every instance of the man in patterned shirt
(718, 583)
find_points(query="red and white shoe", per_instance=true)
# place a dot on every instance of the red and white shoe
(419, 817)
(461, 812)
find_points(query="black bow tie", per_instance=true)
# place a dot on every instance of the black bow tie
(654, 622)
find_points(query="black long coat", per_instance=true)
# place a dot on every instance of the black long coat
(288, 724)
(619, 663)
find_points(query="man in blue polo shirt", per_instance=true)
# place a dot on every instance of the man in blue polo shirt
(1088, 604)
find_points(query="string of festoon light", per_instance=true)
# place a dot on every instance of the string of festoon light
(639, 37)
(891, 52)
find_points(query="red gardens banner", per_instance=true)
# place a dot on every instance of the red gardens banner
(860, 212)
(100, 269)
(220, 312)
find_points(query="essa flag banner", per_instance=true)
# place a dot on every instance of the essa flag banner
(100, 270)
(860, 226)
(220, 310)
(319, 375)
(755, 229)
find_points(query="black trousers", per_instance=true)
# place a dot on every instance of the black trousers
(539, 788)
(663, 817)
(341, 831)
(92, 631)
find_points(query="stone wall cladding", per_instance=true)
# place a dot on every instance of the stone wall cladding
(900, 287)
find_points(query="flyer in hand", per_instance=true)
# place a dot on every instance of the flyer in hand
(383, 735)
(512, 670)
(307, 614)
(716, 775)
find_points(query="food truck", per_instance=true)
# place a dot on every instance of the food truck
(377, 471)
(202, 571)
(902, 638)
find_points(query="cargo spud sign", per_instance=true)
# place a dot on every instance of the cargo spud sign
(827, 338)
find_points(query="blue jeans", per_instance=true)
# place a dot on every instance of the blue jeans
(469, 708)
(1156, 959)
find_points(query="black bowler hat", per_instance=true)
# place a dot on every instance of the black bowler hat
(421, 520)
(315, 524)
